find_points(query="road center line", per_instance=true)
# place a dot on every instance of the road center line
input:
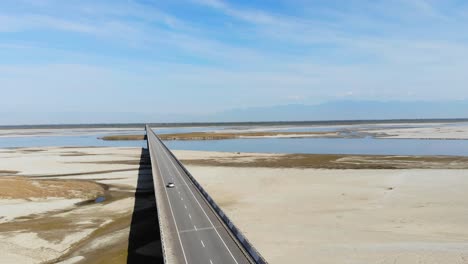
(182, 177)
(169, 201)
(198, 229)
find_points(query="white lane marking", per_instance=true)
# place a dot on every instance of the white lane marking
(211, 262)
(203, 244)
(195, 227)
(172, 212)
(190, 216)
(198, 229)
(180, 175)
(185, 206)
(181, 198)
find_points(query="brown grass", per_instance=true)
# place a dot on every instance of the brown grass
(219, 136)
(115, 252)
(51, 228)
(76, 154)
(8, 172)
(31, 150)
(26, 188)
(114, 162)
(320, 161)
(123, 137)
(81, 173)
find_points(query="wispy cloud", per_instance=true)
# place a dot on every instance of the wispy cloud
(237, 52)
(16, 23)
(248, 15)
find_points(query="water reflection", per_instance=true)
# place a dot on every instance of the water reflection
(330, 146)
(61, 141)
(366, 145)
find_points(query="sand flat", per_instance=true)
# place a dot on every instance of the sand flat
(442, 131)
(302, 215)
(346, 216)
(39, 132)
(47, 208)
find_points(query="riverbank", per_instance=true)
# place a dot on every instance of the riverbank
(223, 135)
(345, 216)
(442, 131)
(320, 161)
(78, 205)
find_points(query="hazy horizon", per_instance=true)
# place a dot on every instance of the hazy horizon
(330, 111)
(128, 61)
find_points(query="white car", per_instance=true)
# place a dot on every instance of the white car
(170, 185)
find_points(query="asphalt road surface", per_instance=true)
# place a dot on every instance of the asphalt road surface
(197, 235)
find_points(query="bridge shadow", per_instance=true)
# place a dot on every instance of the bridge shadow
(144, 245)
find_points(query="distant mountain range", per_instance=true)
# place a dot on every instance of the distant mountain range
(348, 110)
(336, 110)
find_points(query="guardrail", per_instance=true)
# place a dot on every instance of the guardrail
(236, 231)
(158, 205)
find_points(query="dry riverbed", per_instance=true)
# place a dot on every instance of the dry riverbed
(75, 205)
(426, 131)
(449, 130)
(321, 161)
(226, 135)
(294, 208)
(346, 216)
(310, 215)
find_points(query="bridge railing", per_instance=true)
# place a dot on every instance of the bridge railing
(246, 244)
(164, 249)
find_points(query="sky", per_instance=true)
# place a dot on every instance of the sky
(94, 59)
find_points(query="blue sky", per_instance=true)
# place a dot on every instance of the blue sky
(204, 56)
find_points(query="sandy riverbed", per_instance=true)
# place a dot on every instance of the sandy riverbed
(48, 208)
(47, 132)
(305, 215)
(345, 216)
(435, 131)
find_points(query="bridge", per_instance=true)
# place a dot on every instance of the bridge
(193, 227)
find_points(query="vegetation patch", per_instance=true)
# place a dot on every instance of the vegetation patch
(31, 150)
(83, 173)
(9, 172)
(76, 154)
(124, 137)
(114, 162)
(220, 136)
(27, 188)
(320, 161)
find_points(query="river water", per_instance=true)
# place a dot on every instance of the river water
(368, 145)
